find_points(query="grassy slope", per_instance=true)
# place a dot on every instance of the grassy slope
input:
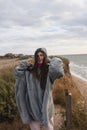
(8, 108)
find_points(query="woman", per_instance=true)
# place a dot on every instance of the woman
(33, 89)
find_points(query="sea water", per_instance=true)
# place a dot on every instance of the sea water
(78, 65)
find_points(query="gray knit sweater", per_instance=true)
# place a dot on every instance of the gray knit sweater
(33, 103)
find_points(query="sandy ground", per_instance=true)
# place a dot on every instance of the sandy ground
(81, 85)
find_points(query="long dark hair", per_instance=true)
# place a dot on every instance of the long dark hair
(42, 77)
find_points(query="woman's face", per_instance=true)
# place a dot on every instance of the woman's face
(40, 56)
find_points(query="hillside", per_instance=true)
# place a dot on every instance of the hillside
(8, 110)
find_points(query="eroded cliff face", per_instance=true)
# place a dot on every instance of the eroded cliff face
(66, 82)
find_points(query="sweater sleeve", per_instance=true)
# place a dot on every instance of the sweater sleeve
(55, 69)
(21, 91)
(20, 70)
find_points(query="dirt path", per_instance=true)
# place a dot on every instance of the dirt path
(18, 125)
(58, 119)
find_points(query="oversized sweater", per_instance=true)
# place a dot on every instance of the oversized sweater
(34, 103)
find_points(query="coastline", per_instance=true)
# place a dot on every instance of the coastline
(78, 76)
(81, 85)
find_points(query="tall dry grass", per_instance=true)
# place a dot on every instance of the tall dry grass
(7, 97)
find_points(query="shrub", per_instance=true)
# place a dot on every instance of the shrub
(79, 117)
(7, 97)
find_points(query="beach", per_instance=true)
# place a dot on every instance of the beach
(81, 85)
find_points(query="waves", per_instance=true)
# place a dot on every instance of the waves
(79, 70)
(78, 65)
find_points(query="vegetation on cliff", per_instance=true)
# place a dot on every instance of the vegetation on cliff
(8, 109)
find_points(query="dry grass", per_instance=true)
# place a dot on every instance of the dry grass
(8, 105)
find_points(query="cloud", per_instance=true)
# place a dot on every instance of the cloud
(28, 13)
(45, 22)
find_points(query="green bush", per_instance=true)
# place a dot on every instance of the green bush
(8, 107)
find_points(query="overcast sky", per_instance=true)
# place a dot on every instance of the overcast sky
(58, 25)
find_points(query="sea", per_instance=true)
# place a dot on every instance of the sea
(78, 65)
